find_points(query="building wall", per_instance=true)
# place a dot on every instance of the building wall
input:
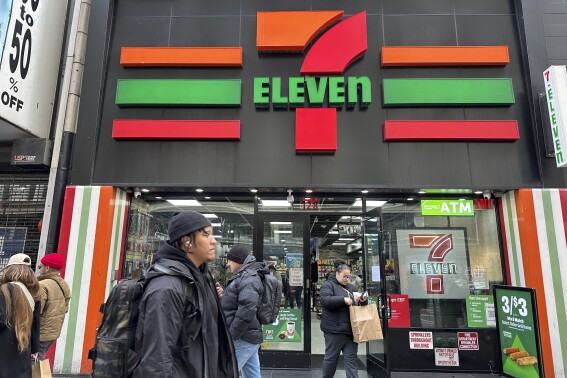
(265, 154)
(92, 241)
(535, 227)
(555, 25)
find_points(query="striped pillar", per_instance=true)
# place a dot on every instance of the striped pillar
(93, 228)
(535, 229)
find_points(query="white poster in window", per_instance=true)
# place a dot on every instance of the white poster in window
(433, 263)
(446, 357)
(295, 277)
(376, 273)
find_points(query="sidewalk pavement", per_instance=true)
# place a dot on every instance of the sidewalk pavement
(317, 373)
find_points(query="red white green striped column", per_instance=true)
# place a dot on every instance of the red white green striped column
(535, 229)
(92, 239)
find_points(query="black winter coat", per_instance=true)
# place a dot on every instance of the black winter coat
(182, 331)
(14, 364)
(240, 301)
(336, 317)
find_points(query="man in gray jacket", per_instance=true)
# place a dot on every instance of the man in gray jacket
(240, 302)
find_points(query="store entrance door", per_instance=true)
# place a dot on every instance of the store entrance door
(282, 240)
(375, 277)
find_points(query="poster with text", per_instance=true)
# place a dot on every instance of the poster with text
(400, 314)
(286, 328)
(433, 263)
(518, 333)
(32, 38)
(294, 260)
(480, 311)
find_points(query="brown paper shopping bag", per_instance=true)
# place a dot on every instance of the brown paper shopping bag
(365, 323)
(41, 369)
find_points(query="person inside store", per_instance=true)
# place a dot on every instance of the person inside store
(19, 317)
(240, 301)
(55, 296)
(286, 290)
(182, 330)
(336, 295)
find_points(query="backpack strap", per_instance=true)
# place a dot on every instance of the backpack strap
(58, 284)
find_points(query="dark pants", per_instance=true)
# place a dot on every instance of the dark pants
(334, 344)
(43, 348)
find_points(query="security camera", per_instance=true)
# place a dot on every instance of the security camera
(137, 194)
(290, 198)
(487, 194)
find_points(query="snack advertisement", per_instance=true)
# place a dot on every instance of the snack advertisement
(518, 331)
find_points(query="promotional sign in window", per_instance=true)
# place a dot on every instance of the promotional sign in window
(433, 262)
(400, 315)
(518, 331)
(32, 37)
(294, 260)
(286, 328)
(480, 311)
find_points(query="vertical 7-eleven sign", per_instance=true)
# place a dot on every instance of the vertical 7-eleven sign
(433, 262)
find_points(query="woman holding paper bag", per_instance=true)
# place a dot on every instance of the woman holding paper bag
(336, 296)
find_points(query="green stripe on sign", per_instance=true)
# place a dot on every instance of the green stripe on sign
(178, 93)
(447, 92)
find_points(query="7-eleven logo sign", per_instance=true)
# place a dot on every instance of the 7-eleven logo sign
(330, 54)
(439, 245)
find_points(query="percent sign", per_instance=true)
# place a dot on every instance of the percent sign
(13, 86)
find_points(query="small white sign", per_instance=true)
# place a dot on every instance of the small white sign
(375, 273)
(446, 357)
(490, 316)
(421, 340)
(295, 276)
(468, 340)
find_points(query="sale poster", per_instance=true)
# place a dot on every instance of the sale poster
(518, 331)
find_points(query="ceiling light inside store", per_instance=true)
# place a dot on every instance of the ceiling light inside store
(478, 192)
(145, 190)
(358, 203)
(410, 199)
(254, 190)
(199, 190)
(422, 192)
(273, 257)
(339, 243)
(184, 202)
(333, 232)
(158, 197)
(309, 191)
(282, 231)
(216, 224)
(275, 203)
(207, 197)
(280, 222)
(210, 216)
(345, 238)
(364, 191)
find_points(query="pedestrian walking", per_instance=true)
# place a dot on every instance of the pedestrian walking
(240, 301)
(19, 318)
(182, 330)
(54, 298)
(336, 296)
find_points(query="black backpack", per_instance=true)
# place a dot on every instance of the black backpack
(113, 354)
(271, 299)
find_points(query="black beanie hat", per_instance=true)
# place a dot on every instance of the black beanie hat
(184, 223)
(238, 254)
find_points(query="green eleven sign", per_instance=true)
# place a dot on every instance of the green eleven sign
(463, 208)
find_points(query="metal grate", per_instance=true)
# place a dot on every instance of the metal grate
(22, 202)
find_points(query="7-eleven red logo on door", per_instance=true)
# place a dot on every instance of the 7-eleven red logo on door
(440, 245)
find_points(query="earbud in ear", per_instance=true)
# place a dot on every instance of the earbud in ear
(187, 244)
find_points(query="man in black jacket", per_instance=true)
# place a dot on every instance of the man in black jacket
(182, 331)
(240, 302)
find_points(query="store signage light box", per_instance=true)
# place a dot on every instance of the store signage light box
(555, 78)
(447, 207)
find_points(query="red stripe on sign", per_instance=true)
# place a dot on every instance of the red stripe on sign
(136, 129)
(65, 228)
(315, 130)
(451, 131)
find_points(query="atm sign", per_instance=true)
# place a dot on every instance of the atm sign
(463, 208)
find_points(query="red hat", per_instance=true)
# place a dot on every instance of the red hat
(53, 260)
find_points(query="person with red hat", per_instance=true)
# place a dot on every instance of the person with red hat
(55, 295)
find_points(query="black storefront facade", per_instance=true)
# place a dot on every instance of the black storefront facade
(349, 168)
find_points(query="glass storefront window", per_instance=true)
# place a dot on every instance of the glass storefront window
(445, 265)
(231, 218)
